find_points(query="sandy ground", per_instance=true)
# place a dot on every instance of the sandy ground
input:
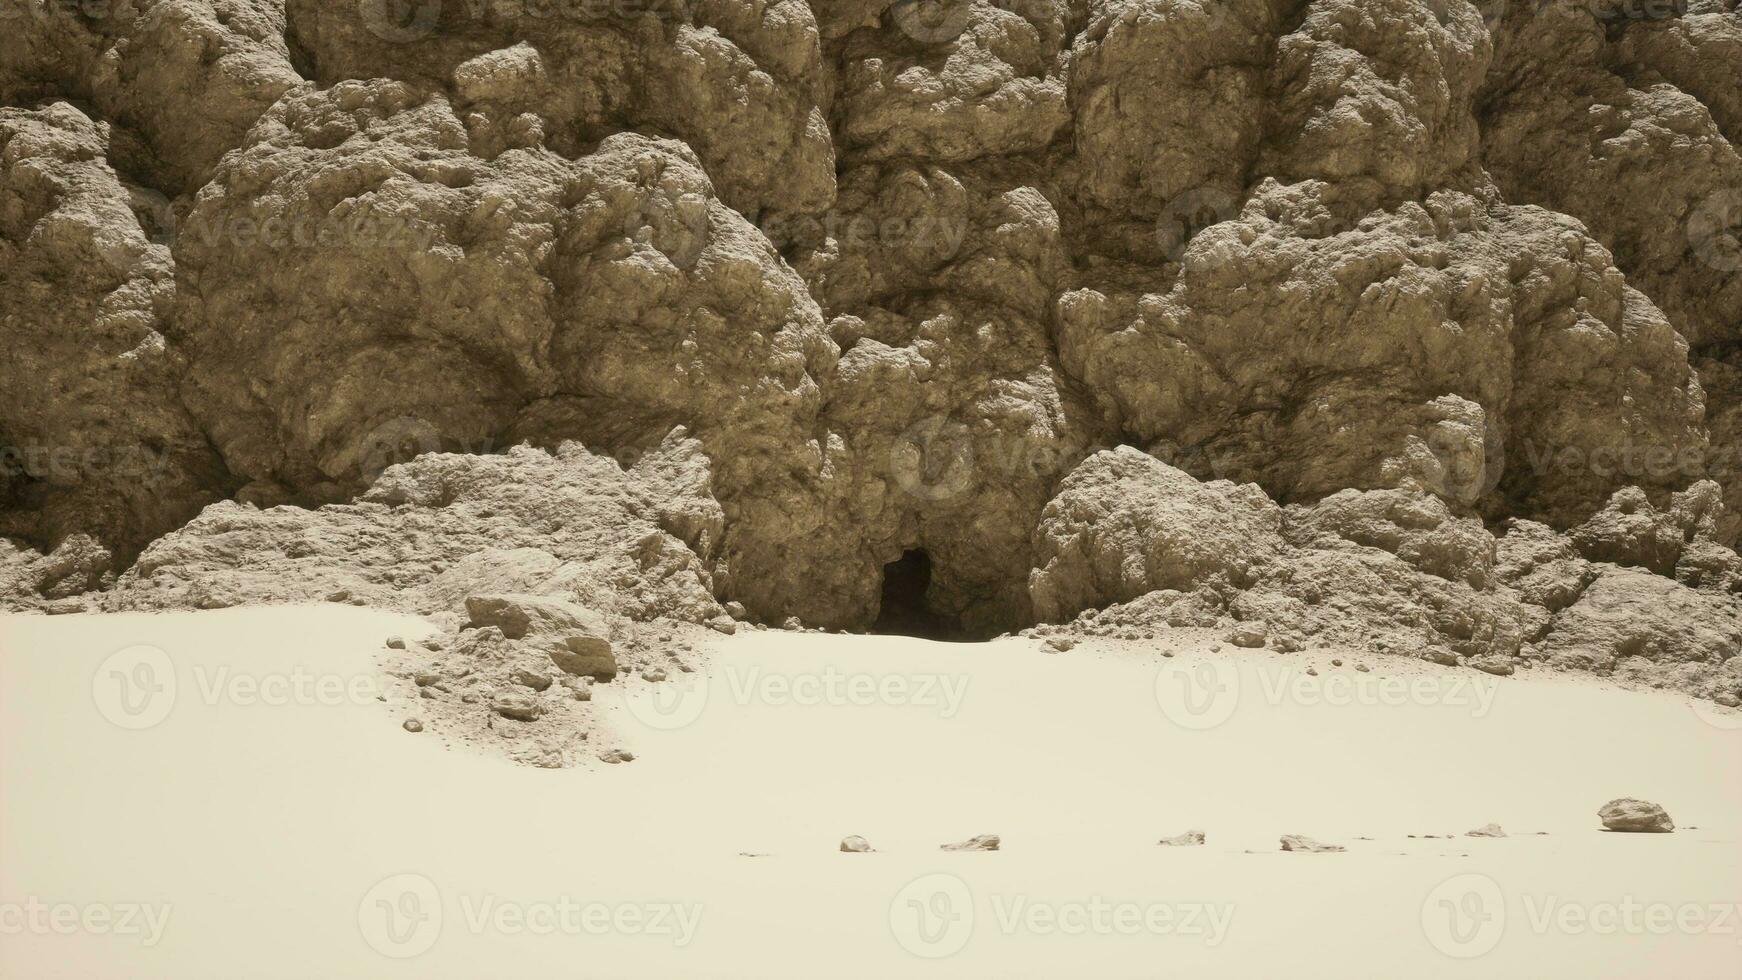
(268, 818)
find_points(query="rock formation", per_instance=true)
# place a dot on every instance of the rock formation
(1414, 324)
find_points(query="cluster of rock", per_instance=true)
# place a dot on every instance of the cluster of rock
(1400, 322)
(1131, 546)
(1622, 816)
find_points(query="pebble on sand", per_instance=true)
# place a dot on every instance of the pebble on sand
(1191, 838)
(1306, 845)
(1486, 830)
(412, 725)
(855, 845)
(984, 842)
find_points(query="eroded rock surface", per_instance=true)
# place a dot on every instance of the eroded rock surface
(1410, 324)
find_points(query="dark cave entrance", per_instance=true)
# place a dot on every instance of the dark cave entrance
(903, 609)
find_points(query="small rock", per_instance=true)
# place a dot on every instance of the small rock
(1295, 842)
(396, 643)
(1191, 838)
(1167, 653)
(1728, 700)
(527, 677)
(1362, 668)
(1498, 666)
(432, 643)
(736, 610)
(1059, 644)
(520, 707)
(1312, 671)
(424, 678)
(653, 674)
(580, 687)
(1630, 816)
(1336, 663)
(1486, 830)
(1248, 635)
(984, 842)
(584, 656)
(412, 725)
(614, 756)
(855, 845)
(723, 624)
(1445, 658)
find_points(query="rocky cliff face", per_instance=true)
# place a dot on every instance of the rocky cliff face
(1403, 320)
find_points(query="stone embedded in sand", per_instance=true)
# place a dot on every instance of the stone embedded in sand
(396, 643)
(1306, 845)
(984, 842)
(520, 707)
(1486, 830)
(614, 756)
(855, 845)
(535, 679)
(481, 643)
(1191, 838)
(1059, 644)
(1498, 666)
(1249, 635)
(584, 656)
(412, 725)
(1632, 816)
(519, 615)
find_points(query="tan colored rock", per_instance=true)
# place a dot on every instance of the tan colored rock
(1635, 817)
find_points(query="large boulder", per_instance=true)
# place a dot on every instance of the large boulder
(1124, 524)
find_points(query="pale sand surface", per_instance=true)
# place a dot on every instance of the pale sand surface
(266, 829)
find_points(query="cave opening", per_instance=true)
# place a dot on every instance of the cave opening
(903, 610)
